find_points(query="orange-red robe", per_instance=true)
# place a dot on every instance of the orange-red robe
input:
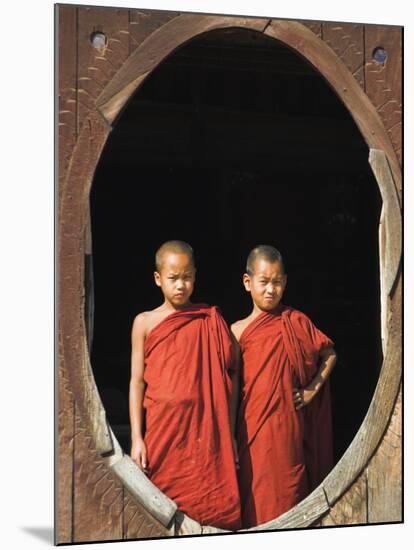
(284, 453)
(188, 364)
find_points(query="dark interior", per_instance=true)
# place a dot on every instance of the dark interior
(233, 141)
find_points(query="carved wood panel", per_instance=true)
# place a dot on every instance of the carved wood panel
(384, 80)
(65, 464)
(351, 508)
(143, 23)
(347, 41)
(97, 66)
(314, 26)
(138, 523)
(98, 496)
(67, 106)
(384, 474)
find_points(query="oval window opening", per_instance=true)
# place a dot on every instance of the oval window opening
(233, 141)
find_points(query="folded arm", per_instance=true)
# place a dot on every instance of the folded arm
(303, 396)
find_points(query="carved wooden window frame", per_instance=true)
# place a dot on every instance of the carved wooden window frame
(74, 243)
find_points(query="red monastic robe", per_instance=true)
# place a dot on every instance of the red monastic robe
(188, 362)
(284, 453)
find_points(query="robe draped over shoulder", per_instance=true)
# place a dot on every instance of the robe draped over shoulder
(284, 453)
(188, 363)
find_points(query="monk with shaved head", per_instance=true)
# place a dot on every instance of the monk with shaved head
(284, 424)
(183, 396)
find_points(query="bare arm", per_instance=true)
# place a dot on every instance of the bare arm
(303, 396)
(136, 393)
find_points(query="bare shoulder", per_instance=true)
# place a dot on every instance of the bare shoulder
(238, 327)
(146, 321)
(140, 323)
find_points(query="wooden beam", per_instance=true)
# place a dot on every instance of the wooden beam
(302, 515)
(392, 218)
(139, 486)
(351, 508)
(155, 49)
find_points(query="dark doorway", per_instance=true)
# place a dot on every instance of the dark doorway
(234, 141)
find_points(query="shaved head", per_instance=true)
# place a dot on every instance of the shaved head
(174, 247)
(265, 252)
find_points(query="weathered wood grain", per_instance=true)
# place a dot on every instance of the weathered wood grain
(384, 81)
(303, 514)
(382, 246)
(314, 26)
(347, 41)
(351, 508)
(155, 48)
(390, 234)
(144, 23)
(71, 276)
(66, 17)
(184, 525)
(97, 66)
(384, 474)
(392, 213)
(64, 466)
(145, 492)
(138, 524)
(89, 281)
(98, 496)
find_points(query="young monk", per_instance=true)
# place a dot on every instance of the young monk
(183, 377)
(284, 428)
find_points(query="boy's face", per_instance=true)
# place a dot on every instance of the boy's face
(176, 278)
(266, 285)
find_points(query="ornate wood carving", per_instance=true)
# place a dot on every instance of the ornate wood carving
(347, 41)
(96, 67)
(138, 523)
(314, 26)
(98, 496)
(144, 23)
(351, 508)
(65, 459)
(384, 474)
(67, 105)
(384, 80)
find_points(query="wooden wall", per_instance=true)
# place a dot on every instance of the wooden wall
(92, 503)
